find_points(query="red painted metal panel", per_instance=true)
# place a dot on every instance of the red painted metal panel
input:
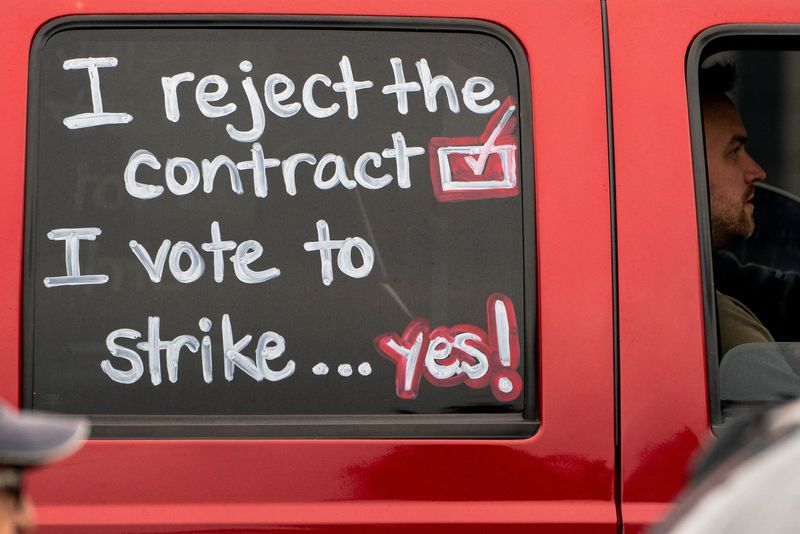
(663, 388)
(559, 480)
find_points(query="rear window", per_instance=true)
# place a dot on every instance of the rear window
(249, 227)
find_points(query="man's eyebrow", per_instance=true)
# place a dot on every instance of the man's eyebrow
(739, 139)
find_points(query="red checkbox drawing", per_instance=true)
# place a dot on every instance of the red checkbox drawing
(474, 168)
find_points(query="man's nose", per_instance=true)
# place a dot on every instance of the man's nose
(753, 171)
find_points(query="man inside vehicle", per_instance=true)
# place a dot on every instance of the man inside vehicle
(753, 368)
(732, 174)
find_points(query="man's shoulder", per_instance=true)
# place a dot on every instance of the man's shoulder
(737, 324)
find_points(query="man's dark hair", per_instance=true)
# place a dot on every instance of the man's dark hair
(717, 80)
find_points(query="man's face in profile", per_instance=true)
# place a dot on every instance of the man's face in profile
(732, 173)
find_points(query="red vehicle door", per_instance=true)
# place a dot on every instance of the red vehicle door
(557, 478)
(667, 385)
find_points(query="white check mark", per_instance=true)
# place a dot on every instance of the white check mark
(478, 165)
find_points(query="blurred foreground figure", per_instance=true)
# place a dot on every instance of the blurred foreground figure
(749, 481)
(29, 439)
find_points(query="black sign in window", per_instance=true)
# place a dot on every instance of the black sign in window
(280, 227)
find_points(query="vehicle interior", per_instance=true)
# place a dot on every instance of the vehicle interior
(763, 271)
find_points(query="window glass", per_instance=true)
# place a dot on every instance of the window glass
(256, 220)
(749, 100)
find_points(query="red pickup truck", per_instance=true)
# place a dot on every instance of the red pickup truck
(354, 266)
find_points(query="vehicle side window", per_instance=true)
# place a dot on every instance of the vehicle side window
(745, 95)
